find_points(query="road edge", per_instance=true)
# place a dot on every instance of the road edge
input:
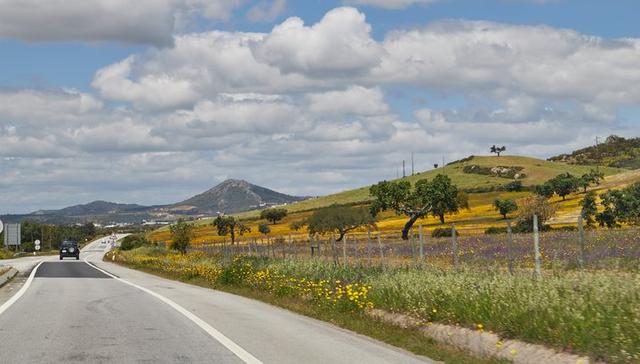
(5, 306)
(7, 276)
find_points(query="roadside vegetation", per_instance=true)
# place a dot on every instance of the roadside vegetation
(578, 292)
(594, 313)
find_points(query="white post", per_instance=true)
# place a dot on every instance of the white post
(536, 244)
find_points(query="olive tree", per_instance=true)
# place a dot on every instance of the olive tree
(437, 197)
(273, 215)
(505, 207)
(228, 225)
(339, 219)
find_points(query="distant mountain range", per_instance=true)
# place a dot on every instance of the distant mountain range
(229, 196)
(616, 151)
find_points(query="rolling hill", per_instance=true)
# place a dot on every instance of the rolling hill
(535, 171)
(614, 152)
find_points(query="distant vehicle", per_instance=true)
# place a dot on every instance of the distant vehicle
(69, 249)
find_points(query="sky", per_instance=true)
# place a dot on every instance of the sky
(153, 101)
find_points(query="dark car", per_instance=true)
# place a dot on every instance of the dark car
(69, 249)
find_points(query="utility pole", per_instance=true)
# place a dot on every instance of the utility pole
(412, 169)
(404, 174)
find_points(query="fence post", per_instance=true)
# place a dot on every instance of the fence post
(381, 251)
(454, 242)
(581, 241)
(369, 246)
(333, 248)
(355, 249)
(344, 250)
(421, 237)
(536, 244)
(412, 241)
(509, 245)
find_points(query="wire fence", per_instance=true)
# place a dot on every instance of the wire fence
(556, 249)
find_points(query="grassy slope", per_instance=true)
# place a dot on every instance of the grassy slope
(481, 214)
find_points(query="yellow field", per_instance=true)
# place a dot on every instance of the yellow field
(480, 216)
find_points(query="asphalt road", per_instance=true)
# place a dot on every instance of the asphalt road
(72, 311)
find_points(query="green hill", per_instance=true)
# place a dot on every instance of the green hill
(614, 152)
(534, 171)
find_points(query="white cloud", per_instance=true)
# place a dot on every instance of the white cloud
(340, 44)
(538, 61)
(140, 21)
(353, 100)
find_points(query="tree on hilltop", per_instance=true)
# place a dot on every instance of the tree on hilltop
(497, 150)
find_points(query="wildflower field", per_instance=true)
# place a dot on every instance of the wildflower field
(593, 312)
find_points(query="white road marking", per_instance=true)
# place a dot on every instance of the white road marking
(22, 290)
(244, 355)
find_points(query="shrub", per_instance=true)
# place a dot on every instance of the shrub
(442, 232)
(515, 186)
(133, 241)
(492, 230)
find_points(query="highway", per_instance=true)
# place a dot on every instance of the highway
(90, 311)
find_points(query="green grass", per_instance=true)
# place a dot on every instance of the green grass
(591, 313)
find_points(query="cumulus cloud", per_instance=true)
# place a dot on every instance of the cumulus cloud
(140, 22)
(539, 61)
(340, 44)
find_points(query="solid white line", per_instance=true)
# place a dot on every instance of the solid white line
(22, 290)
(244, 355)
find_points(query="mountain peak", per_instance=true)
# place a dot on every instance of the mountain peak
(234, 195)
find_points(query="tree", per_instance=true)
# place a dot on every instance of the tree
(530, 206)
(497, 150)
(264, 229)
(505, 206)
(445, 197)
(339, 219)
(228, 225)
(593, 177)
(620, 206)
(589, 208)
(273, 215)
(544, 190)
(564, 184)
(181, 234)
(437, 197)
(297, 225)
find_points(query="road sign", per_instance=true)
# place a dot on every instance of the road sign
(12, 235)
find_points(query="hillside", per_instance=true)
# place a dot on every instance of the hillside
(614, 152)
(481, 215)
(233, 196)
(536, 171)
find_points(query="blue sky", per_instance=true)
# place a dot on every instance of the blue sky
(153, 103)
